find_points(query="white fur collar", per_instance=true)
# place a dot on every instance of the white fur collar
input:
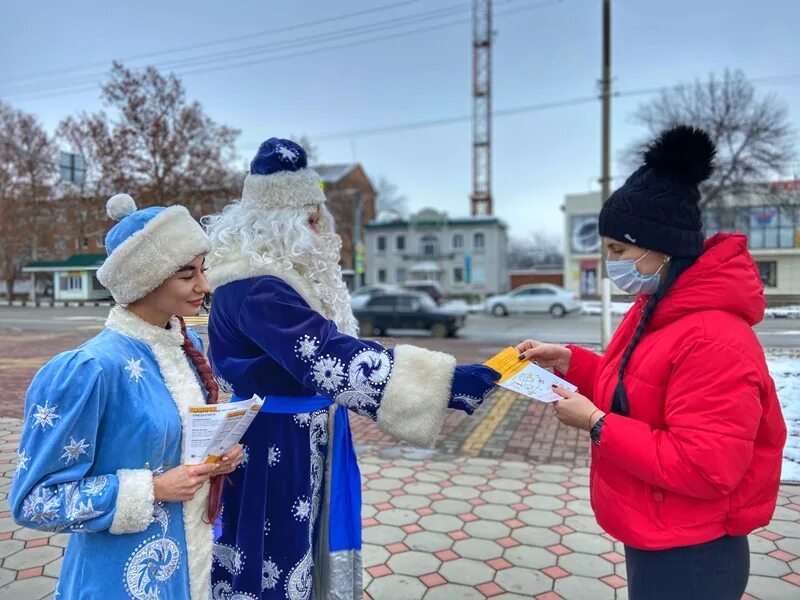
(129, 323)
(241, 268)
(181, 382)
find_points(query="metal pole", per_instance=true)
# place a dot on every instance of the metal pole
(605, 181)
(358, 278)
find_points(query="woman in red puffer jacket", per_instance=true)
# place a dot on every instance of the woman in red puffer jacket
(686, 426)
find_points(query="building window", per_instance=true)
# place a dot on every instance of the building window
(479, 241)
(458, 275)
(765, 226)
(96, 285)
(458, 241)
(401, 275)
(381, 275)
(479, 274)
(769, 272)
(400, 242)
(429, 245)
(71, 283)
(381, 244)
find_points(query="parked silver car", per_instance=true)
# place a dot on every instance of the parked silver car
(534, 298)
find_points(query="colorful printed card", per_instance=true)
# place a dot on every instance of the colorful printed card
(526, 378)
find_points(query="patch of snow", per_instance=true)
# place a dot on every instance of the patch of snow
(595, 309)
(785, 370)
(783, 312)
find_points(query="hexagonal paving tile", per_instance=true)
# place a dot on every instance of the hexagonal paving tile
(32, 557)
(544, 502)
(487, 530)
(590, 544)
(383, 534)
(429, 541)
(478, 549)
(539, 518)
(581, 507)
(500, 497)
(468, 480)
(397, 472)
(510, 485)
(451, 507)
(53, 568)
(460, 492)
(397, 516)
(432, 476)
(421, 489)
(584, 587)
(530, 558)
(375, 497)
(586, 564)
(373, 555)
(384, 484)
(536, 536)
(583, 524)
(397, 587)
(36, 587)
(414, 563)
(441, 523)
(494, 512)
(450, 591)
(466, 571)
(523, 581)
(410, 501)
(768, 588)
(761, 564)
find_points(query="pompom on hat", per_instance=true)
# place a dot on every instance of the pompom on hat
(279, 177)
(147, 247)
(658, 206)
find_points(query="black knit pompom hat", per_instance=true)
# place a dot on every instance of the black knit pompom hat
(658, 206)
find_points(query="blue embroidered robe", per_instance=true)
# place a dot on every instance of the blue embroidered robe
(100, 421)
(286, 511)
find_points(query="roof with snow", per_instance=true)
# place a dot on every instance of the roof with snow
(333, 173)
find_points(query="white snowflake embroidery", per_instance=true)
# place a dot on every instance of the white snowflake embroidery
(273, 456)
(41, 505)
(306, 348)
(230, 558)
(270, 575)
(287, 154)
(328, 373)
(224, 386)
(73, 450)
(94, 486)
(267, 527)
(134, 369)
(45, 416)
(301, 508)
(302, 419)
(23, 458)
(245, 457)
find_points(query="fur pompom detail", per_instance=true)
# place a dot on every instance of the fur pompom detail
(683, 153)
(120, 206)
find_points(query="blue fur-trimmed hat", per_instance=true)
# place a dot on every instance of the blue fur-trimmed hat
(280, 178)
(147, 247)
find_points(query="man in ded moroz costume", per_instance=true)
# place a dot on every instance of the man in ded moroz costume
(281, 327)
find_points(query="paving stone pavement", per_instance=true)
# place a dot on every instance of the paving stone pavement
(443, 527)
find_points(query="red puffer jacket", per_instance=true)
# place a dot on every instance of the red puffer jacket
(699, 456)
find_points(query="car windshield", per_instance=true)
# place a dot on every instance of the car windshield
(427, 302)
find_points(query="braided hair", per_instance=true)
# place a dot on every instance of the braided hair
(676, 267)
(207, 378)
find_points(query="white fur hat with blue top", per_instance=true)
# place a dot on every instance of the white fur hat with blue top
(147, 247)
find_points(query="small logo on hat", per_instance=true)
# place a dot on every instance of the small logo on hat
(630, 238)
(287, 153)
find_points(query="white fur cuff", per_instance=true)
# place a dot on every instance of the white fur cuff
(287, 189)
(134, 508)
(415, 400)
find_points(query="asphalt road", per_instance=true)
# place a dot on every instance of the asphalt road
(773, 333)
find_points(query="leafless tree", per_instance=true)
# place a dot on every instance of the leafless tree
(27, 177)
(152, 141)
(388, 199)
(537, 249)
(754, 139)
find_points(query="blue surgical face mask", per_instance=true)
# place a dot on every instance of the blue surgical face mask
(627, 277)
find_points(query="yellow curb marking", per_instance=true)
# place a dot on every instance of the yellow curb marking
(476, 440)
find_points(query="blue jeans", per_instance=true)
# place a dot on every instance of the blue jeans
(716, 570)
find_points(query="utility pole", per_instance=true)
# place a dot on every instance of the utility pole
(358, 244)
(605, 180)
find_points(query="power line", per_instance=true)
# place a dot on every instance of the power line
(83, 87)
(303, 25)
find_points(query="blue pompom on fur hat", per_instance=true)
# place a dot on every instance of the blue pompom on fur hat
(147, 247)
(280, 178)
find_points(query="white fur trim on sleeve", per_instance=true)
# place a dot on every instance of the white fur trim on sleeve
(415, 399)
(134, 507)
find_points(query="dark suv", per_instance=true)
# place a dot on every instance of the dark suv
(406, 310)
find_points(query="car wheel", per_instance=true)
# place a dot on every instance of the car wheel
(439, 330)
(367, 329)
(499, 310)
(452, 333)
(557, 311)
(378, 332)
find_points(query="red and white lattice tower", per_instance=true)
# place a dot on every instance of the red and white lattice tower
(481, 199)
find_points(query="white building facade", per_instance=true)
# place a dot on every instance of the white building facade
(466, 256)
(771, 222)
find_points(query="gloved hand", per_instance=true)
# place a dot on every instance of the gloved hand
(471, 385)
